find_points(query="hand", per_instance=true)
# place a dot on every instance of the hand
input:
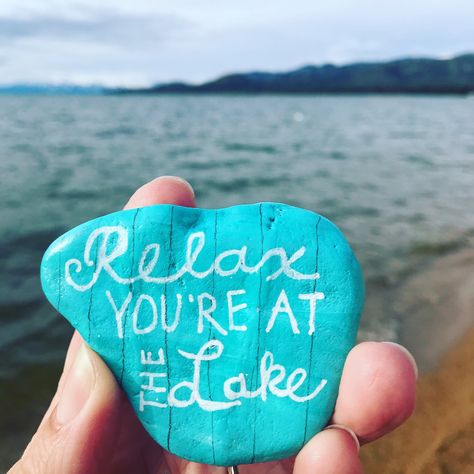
(91, 428)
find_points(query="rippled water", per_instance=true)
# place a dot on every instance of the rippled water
(395, 173)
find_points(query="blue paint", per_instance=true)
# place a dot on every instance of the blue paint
(217, 427)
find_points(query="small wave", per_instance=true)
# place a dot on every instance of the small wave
(11, 312)
(22, 148)
(71, 194)
(420, 160)
(356, 211)
(212, 165)
(71, 149)
(114, 132)
(380, 281)
(254, 148)
(184, 151)
(40, 337)
(424, 249)
(240, 183)
(337, 155)
(199, 165)
(33, 241)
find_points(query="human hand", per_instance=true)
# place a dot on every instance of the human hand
(90, 427)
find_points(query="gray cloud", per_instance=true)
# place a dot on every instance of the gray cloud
(104, 27)
(144, 41)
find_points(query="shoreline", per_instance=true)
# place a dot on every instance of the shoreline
(439, 436)
(438, 308)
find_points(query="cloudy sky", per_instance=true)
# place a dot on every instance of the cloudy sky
(139, 42)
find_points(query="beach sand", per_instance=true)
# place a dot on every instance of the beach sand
(439, 438)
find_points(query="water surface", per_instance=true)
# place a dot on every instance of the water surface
(394, 173)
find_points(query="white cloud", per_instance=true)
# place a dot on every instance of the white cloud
(121, 42)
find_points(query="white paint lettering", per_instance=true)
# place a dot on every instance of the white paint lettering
(283, 306)
(312, 298)
(206, 313)
(136, 312)
(119, 312)
(233, 309)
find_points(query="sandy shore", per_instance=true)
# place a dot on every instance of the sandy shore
(439, 438)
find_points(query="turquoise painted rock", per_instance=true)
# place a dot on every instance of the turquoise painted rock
(228, 329)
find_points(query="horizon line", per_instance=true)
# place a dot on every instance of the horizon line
(103, 87)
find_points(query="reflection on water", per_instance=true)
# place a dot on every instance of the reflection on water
(395, 173)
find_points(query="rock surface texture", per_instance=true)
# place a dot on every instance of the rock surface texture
(228, 329)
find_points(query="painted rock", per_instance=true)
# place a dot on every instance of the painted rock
(228, 329)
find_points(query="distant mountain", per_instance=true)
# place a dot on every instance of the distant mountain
(418, 75)
(44, 89)
(406, 76)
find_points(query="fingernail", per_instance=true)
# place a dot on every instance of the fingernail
(179, 180)
(346, 429)
(77, 387)
(407, 353)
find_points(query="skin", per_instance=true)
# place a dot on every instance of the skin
(91, 428)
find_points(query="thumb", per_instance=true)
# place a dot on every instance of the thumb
(90, 426)
(86, 421)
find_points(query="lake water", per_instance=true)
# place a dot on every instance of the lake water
(394, 173)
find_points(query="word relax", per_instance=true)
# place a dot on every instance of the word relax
(144, 322)
(235, 388)
(111, 242)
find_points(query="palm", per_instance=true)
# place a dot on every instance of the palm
(131, 449)
(376, 394)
